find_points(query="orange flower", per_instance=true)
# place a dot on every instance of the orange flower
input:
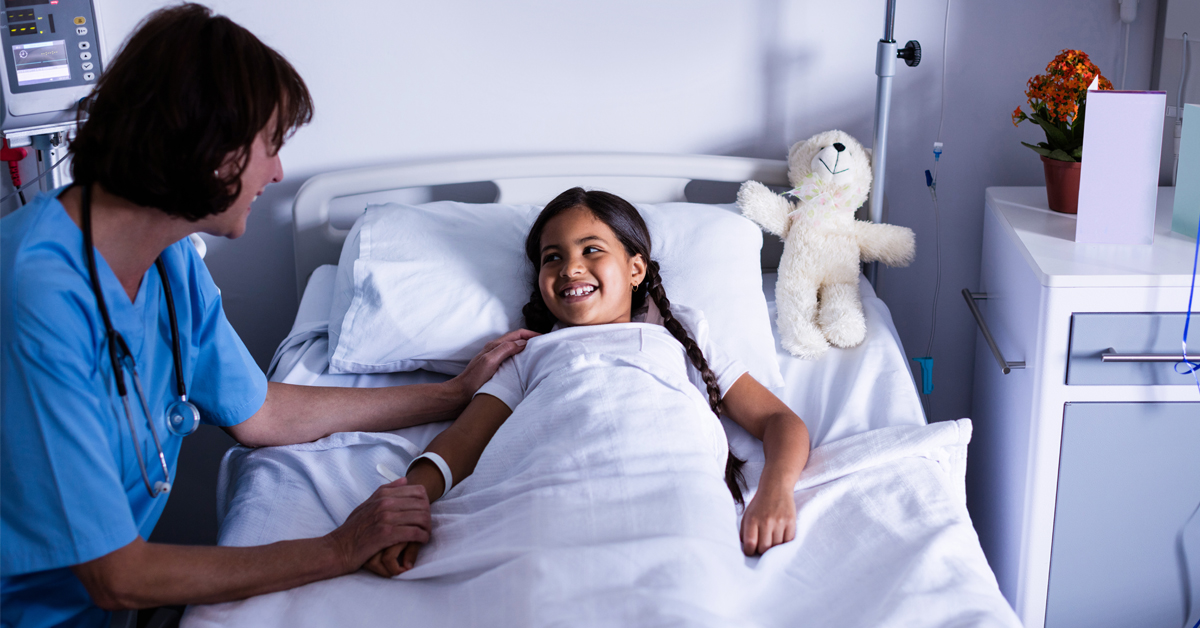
(1063, 88)
(1055, 101)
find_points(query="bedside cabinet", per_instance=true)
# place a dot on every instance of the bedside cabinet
(1083, 476)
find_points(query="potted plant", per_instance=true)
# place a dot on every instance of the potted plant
(1056, 102)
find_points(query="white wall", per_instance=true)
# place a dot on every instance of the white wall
(406, 80)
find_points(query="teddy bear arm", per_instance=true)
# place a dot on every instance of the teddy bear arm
(768, 209)
(891, 244)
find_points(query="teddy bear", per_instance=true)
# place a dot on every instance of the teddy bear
(816, 294)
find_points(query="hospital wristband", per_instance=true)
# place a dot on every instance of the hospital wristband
(440, 463)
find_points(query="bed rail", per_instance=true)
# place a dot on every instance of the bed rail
(647, 178)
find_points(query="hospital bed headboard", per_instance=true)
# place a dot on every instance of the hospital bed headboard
(532, 179)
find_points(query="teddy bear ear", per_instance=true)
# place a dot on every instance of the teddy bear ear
(796, 148)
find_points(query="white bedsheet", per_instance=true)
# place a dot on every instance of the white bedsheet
(883, 538)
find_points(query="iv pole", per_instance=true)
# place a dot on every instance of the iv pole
(886, 54)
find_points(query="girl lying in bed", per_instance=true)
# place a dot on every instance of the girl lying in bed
(608, 410)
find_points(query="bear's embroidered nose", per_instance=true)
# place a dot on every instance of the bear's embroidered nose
(839, 147)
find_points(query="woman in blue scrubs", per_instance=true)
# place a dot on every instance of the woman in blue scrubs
(182, 135)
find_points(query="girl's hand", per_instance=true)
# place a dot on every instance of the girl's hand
(394, 560)
(769, 520)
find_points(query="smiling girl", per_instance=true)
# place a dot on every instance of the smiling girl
(591, 252)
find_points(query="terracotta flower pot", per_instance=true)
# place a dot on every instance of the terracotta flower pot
(1062, 184)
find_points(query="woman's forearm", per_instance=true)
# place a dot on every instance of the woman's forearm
(144, 575)
(299, 414)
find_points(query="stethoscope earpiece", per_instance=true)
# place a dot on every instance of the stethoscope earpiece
(161, 488)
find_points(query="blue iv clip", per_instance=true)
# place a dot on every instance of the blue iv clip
(926, 374)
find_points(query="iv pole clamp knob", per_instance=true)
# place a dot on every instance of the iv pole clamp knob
(911, 53)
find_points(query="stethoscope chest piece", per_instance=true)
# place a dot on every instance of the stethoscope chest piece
(182, 417)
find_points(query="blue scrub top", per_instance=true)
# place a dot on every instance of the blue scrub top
(70, 486)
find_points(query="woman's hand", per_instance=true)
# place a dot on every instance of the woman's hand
(484, 365)
(395, 513)
(769, 520)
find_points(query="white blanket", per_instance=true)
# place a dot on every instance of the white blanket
(883, 538)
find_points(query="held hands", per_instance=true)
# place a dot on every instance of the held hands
(395, 513)
(399, 558)
(394, 560)
(769, 520)
(484, 365)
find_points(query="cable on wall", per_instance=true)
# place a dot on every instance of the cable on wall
(1125, 57)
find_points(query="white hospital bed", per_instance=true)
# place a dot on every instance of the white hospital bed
(883, 534)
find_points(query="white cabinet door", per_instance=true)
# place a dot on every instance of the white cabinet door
(1128, 488)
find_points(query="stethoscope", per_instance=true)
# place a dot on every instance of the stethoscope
(182, 417)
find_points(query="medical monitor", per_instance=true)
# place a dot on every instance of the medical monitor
(52, 58)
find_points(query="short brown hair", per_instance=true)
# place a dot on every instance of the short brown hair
(188, 90)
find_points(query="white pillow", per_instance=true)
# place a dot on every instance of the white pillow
(426, 286)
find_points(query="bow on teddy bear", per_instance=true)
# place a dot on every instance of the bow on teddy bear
(816, 294)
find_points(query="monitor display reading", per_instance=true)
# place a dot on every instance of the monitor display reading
(41, 62)
(24, 28)
(10, 4)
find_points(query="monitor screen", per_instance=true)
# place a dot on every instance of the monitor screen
(41, 62)
(10, 4)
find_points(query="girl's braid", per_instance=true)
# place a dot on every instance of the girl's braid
(537, 316)
(653, 284)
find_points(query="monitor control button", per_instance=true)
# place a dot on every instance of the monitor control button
(88, 66)
(82, 30)
(89, 76)
(85, 56)
(84, 45)
(80, 21)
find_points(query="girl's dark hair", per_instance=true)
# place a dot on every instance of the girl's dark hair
(188, 90)
(625, 221)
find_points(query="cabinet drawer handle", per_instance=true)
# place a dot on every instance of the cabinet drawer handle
(1110, 355)
(1005, 365)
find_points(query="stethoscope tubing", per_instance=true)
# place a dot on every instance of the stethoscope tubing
(159, 487)
(118, 352)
